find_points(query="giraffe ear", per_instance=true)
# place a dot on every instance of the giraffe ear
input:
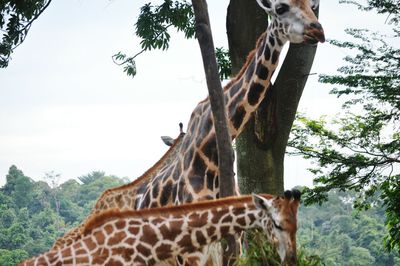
(296, 194)
(262, 203)
(265, 4)
(167, 140)
(314, 4)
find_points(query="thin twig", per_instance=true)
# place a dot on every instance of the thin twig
(129, 59)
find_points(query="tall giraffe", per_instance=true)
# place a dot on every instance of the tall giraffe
(122, 197)
(192, 175)
(150, 236)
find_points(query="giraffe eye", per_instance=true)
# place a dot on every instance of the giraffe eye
(277, 226)
(282, 8)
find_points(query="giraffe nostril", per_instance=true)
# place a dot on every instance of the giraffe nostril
(314, 33)
(316, 25)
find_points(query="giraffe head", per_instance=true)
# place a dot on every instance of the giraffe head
(279, 222)
(294, 20)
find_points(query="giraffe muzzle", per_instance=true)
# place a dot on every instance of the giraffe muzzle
(291, 259)
(314, 34)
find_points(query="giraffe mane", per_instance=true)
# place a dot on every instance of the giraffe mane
(145, 177)
(250, 57)
(115, 213)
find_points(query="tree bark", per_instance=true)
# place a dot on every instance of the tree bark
(224, 144)
(261, 146)
(245, 22)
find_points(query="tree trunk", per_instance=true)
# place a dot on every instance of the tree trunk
(245, 22)
(224, 144)
(261, 146)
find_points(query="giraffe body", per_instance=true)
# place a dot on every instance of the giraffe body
(151, 236)
(193, 175)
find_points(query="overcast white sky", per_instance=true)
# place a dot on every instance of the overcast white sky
(65, 107)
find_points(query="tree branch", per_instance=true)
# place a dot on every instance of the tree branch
(131, 58)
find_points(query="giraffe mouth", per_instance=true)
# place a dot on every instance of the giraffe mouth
(310, 39)
(314, 34)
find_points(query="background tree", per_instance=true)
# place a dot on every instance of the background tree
(341, 235)
(12, 258)
(28, 229)
(360, 149)
(11, 180)
(91, 177)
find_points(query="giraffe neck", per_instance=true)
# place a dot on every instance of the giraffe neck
(245, 93)
(200, 212)
(124, 196)
(229, 220)
(198, 166)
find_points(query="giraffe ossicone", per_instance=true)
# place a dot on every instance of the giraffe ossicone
(151, 236)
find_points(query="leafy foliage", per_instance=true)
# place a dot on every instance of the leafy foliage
(391, 199)
(152, 27)
(12, 257)
(16, 18)
(360, 149)
(390, 7)
(342, 235)
(258, 251)
(91, 177)
(154, 21)
(224, 63)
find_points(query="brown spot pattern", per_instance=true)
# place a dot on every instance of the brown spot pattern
(148, 235)
(116, 238)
